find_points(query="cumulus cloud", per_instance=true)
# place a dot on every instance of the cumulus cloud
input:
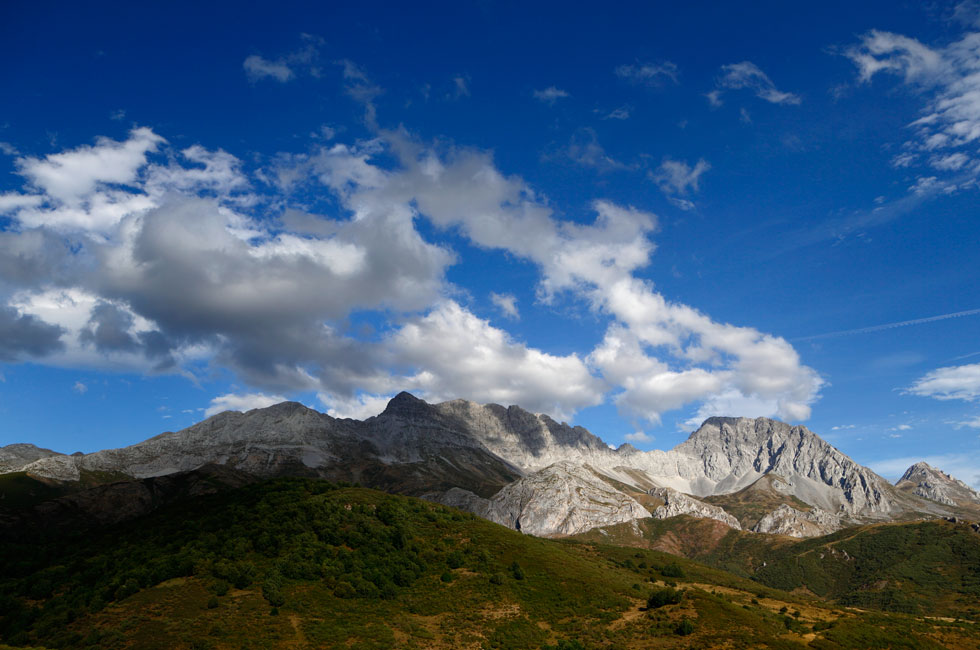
(747, 75)
(358, 407)
(80, 388)
(25, 336)
(953, 382)
(459, 354)
(166, 261)
(648, 74)
(73, 175)
(241, 402)
(550, 95)
(506, 303)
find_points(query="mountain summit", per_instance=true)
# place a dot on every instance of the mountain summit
(924, 480)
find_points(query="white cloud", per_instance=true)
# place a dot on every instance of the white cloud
(80, 388)
(638, 436)
(887, 52)
(285, 68)
(843, 426)
(722, 360)
(733, 403)
(902, 427)
(650, 74)
(171, 263)
(8, 149)
(457, 354)
(677, 177)
(73, 176)
(747, 75)
(241, 402)
(972, 423)
(621, 113)
(12, 201)
(506, 303)
(258, 68)
(359, 407)
(948, 79)
(953, 382)
(550, 95)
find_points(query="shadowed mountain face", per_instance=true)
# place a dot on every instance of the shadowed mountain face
(115, 502)
(559, 479)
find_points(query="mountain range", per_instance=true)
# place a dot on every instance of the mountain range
(523, 470)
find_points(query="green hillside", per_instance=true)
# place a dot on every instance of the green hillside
(307, 564)
(924, 568)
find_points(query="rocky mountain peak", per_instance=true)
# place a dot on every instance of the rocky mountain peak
(924, 480)
(404, 404)
(735, 452)
(923, 469)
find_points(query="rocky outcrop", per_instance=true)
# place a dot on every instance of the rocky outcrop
(786, 520)
(14, 457)
(676, 503)
(928, 482)
(562, 499)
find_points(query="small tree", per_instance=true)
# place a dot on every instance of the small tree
(665, 596)
(672, 570)
(684, 628)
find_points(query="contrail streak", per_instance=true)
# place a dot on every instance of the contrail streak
(888, 326)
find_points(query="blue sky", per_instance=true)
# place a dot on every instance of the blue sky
(630, 219)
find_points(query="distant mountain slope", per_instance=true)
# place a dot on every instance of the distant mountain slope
(418, 448)
(14, 457)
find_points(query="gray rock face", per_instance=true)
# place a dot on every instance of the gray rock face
(14, 457)
(676, 503)
(928, 482)
(562, 499)
(735, 452)
(787, 520)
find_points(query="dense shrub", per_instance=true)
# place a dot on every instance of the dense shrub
(665, 596)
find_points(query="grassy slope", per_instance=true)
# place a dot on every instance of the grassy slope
(924, 568)
(302, 563)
